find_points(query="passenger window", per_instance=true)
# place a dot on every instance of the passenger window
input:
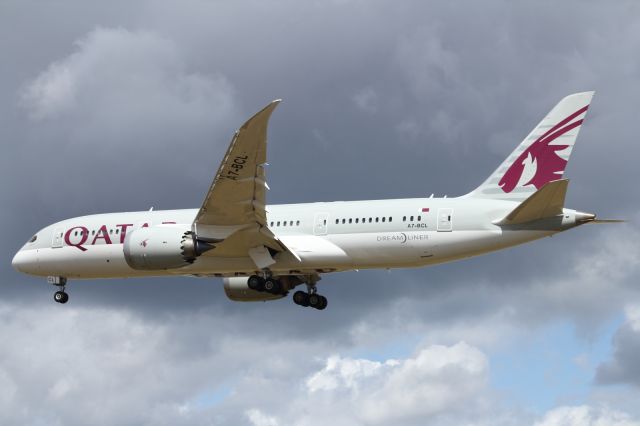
(377, 220)
(298, 223)
(404, 218)
(111, 231)
(411, 218)
(390, 219)
(383, 219)
(291, 223)
(364, 220)
(343, 221)
(284, 223)
(93, 232)
(419, 218)
(350, 220)
(278, 224)
(357, 219)
(272, 224)
(370, 220)
(337, 221)
(75, 234)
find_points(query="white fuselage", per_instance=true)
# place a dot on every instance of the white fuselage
(326, 237)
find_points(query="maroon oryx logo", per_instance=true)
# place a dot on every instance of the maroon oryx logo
(549, 166)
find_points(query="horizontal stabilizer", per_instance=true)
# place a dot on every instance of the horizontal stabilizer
(548, 201)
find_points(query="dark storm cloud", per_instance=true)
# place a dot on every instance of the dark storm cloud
(130, 105)
(624, 367)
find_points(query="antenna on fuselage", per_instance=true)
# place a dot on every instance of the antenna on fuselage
(151, 209)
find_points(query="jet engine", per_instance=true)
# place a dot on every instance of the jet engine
(159, 247)
(237, 289)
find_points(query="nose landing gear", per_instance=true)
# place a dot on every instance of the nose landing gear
(59, 296)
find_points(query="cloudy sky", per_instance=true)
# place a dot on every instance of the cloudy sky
(124, 105)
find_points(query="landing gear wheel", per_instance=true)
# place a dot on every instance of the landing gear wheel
(272, 286)
(323, 303)
(315, 300)
(255, 283)
(301, 298)
(61, 297)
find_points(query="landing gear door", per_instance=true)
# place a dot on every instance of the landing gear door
(445, 220)
(57, 239)
(320, 224)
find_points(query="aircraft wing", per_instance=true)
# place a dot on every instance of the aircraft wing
(233, 217)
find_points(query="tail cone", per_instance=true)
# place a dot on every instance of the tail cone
(584, 217)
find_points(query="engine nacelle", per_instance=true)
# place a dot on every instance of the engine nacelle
(159, 247)
(237, 289)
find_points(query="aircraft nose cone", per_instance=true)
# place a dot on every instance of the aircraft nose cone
(17, 261)
(22, 261)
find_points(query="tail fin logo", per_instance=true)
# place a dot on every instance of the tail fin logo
(543, 156)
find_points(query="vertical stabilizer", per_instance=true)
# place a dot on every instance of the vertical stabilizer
(542, 156)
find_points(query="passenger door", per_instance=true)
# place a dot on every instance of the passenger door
(445, 220)
(320, 224)
(57, 240)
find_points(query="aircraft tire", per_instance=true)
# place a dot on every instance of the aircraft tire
(301, 298)
(61, 297)
(323, 303)
(255, 282)
(314, 300)
(273, 286)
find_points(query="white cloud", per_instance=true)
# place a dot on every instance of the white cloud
(344, 372)
(58, 363)
(52, 92)
(121, 77)
(586, 416)
(395, 391)
(427, 384)
(632, 313)
(258, 418)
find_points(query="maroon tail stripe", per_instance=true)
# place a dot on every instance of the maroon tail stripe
(560, 132)
(563, 122)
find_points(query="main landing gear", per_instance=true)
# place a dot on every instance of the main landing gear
(268, 285)
(313, 300)
(310, 298)
(273, 285)
(59, 296)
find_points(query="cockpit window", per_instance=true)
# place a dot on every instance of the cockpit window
(34, 238)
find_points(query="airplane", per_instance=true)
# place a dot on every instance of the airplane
(262, 252)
